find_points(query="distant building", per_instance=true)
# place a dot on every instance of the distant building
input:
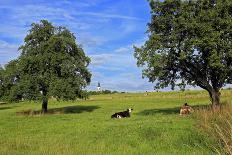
(98, 86)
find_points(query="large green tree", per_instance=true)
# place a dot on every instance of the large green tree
(51, 64)
(189, 41)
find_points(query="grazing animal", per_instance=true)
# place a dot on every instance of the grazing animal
(186, 109)
(122, 114)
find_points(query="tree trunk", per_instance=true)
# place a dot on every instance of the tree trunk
(215, 97)
(45, 105)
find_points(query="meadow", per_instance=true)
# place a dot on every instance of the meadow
(85, 126)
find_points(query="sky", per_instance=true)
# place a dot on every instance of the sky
(107, 30)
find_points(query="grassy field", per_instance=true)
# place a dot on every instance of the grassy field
(85, 127)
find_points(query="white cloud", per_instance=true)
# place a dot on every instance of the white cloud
(122, 50)
(4, 45)
(100, 59)
(108, 15)
(122, 56)
(113, 61)
(7, 52)
(129, 26)
(87, 40)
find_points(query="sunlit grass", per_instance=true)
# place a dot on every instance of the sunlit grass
(85, 127)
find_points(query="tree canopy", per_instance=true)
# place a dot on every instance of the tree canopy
(51, 64)
(190, 43)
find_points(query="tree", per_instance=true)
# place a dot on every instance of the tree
(1, 82)
(9, 77)
(52, 64)
(189, 42)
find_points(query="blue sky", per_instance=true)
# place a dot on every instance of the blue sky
(107, 29)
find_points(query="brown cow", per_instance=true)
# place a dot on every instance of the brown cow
(186, 109)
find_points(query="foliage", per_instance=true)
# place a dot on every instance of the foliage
(51, 64)
(10, 90)
(190, 42)
(84, 95)
(1, 82)
(102, 92)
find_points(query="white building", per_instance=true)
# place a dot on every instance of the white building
(98, 86)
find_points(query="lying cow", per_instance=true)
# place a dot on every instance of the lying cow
(186, 109)
(122, 114)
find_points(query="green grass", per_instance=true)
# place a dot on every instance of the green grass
(85, 127)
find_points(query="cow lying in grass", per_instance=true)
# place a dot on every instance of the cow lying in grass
(122, 114)
(186, 109)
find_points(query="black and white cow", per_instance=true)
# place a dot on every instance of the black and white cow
(122, 114)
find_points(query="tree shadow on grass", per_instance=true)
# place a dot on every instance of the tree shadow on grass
(4, 108)
(205, 106)
(61, 110)
(166, 111)
(73, 109)
(170, 111)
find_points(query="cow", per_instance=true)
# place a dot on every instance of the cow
(122, 114)
(186, 109)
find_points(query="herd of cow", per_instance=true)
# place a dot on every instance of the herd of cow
(184, 110)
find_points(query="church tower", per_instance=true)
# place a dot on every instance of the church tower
(98, 86)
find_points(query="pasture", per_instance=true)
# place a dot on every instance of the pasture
(85, 126)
